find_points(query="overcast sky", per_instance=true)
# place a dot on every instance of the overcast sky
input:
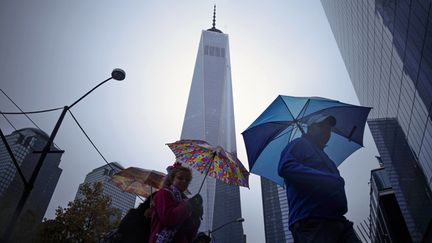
(55, 51)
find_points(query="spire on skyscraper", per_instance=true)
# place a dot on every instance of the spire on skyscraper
(214, 16)
(211, 118)
(214, 21)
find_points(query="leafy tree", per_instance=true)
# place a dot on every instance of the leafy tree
(86, 219)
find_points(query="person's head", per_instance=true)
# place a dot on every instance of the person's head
(178, 176)
(319, 128)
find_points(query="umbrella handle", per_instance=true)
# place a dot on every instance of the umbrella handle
(300, 127)
(207, 171)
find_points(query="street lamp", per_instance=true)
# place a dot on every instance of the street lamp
(227, 223)
(117, 74)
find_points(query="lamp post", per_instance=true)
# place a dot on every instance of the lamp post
(227, 223)
(117, 74)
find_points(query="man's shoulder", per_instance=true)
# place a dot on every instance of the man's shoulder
(297, 142)
(298, 145)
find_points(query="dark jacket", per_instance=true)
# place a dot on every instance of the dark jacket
(314, 186)
(135, 227)
(169, 213)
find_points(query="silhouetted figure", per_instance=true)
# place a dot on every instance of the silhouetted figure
(202, 238)
(175, 218)
(315, 189)
(135, 226)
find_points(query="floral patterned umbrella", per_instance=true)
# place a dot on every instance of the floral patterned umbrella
(139, 181)
(214, 161)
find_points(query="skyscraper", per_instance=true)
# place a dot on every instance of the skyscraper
(387, 223)
(24, 143)
(275, 209)
(210, 117)
(119, 199)
(387, 50)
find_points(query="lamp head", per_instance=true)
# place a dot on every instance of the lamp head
(118, 74)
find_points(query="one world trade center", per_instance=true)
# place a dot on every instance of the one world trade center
(210, 117)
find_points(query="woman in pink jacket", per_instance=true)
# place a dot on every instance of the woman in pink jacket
(175, 218)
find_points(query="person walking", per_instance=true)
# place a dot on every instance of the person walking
(135, 226)
(314, 187)
(202, 238)
(175, 218)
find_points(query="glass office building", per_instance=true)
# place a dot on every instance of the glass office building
(275, 209)
(387, 49)
(387, 223)
(119, 199)
(24, 143)
(210, 117)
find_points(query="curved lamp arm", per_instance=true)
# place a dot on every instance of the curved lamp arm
(117, 74)
(230, 222)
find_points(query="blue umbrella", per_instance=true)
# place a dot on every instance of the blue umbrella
(285, 119)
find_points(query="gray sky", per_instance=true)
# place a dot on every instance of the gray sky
(55, 51)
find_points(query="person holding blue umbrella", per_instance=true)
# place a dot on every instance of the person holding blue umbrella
(298, 142)
(314, 187)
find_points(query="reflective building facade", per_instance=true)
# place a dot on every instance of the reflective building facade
(23, 143)
(119, 199)
(387, 223)
(387, 49)
(210, 116)
(275, 209)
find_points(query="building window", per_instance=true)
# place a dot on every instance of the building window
(214, 51)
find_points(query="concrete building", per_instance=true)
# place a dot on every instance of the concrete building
(210, 117)
(387, 50)
(119, 199)
(24, 143)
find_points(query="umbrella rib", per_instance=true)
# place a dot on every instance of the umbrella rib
(288, 109)
(278, 135)
(281, 134)
(303, 110)
(292, 133)
(352, 132)
(208, 169)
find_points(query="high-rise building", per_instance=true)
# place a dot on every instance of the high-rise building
(387, 223)
(387, 50)
(25, 144)
(275, 209)
(210, 117)
(119, 199)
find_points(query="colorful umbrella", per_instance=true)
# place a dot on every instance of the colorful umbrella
(286, 118)
(214, 161)
(139, 181)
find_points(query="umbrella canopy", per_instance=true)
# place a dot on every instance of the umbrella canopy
(285, 119)
(214, 161)
(139, 181)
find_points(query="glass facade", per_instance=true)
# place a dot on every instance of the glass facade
(23, 143)
(387, 49)
(210, 116)
(387, 223)
(275, 209)
(119, 199)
